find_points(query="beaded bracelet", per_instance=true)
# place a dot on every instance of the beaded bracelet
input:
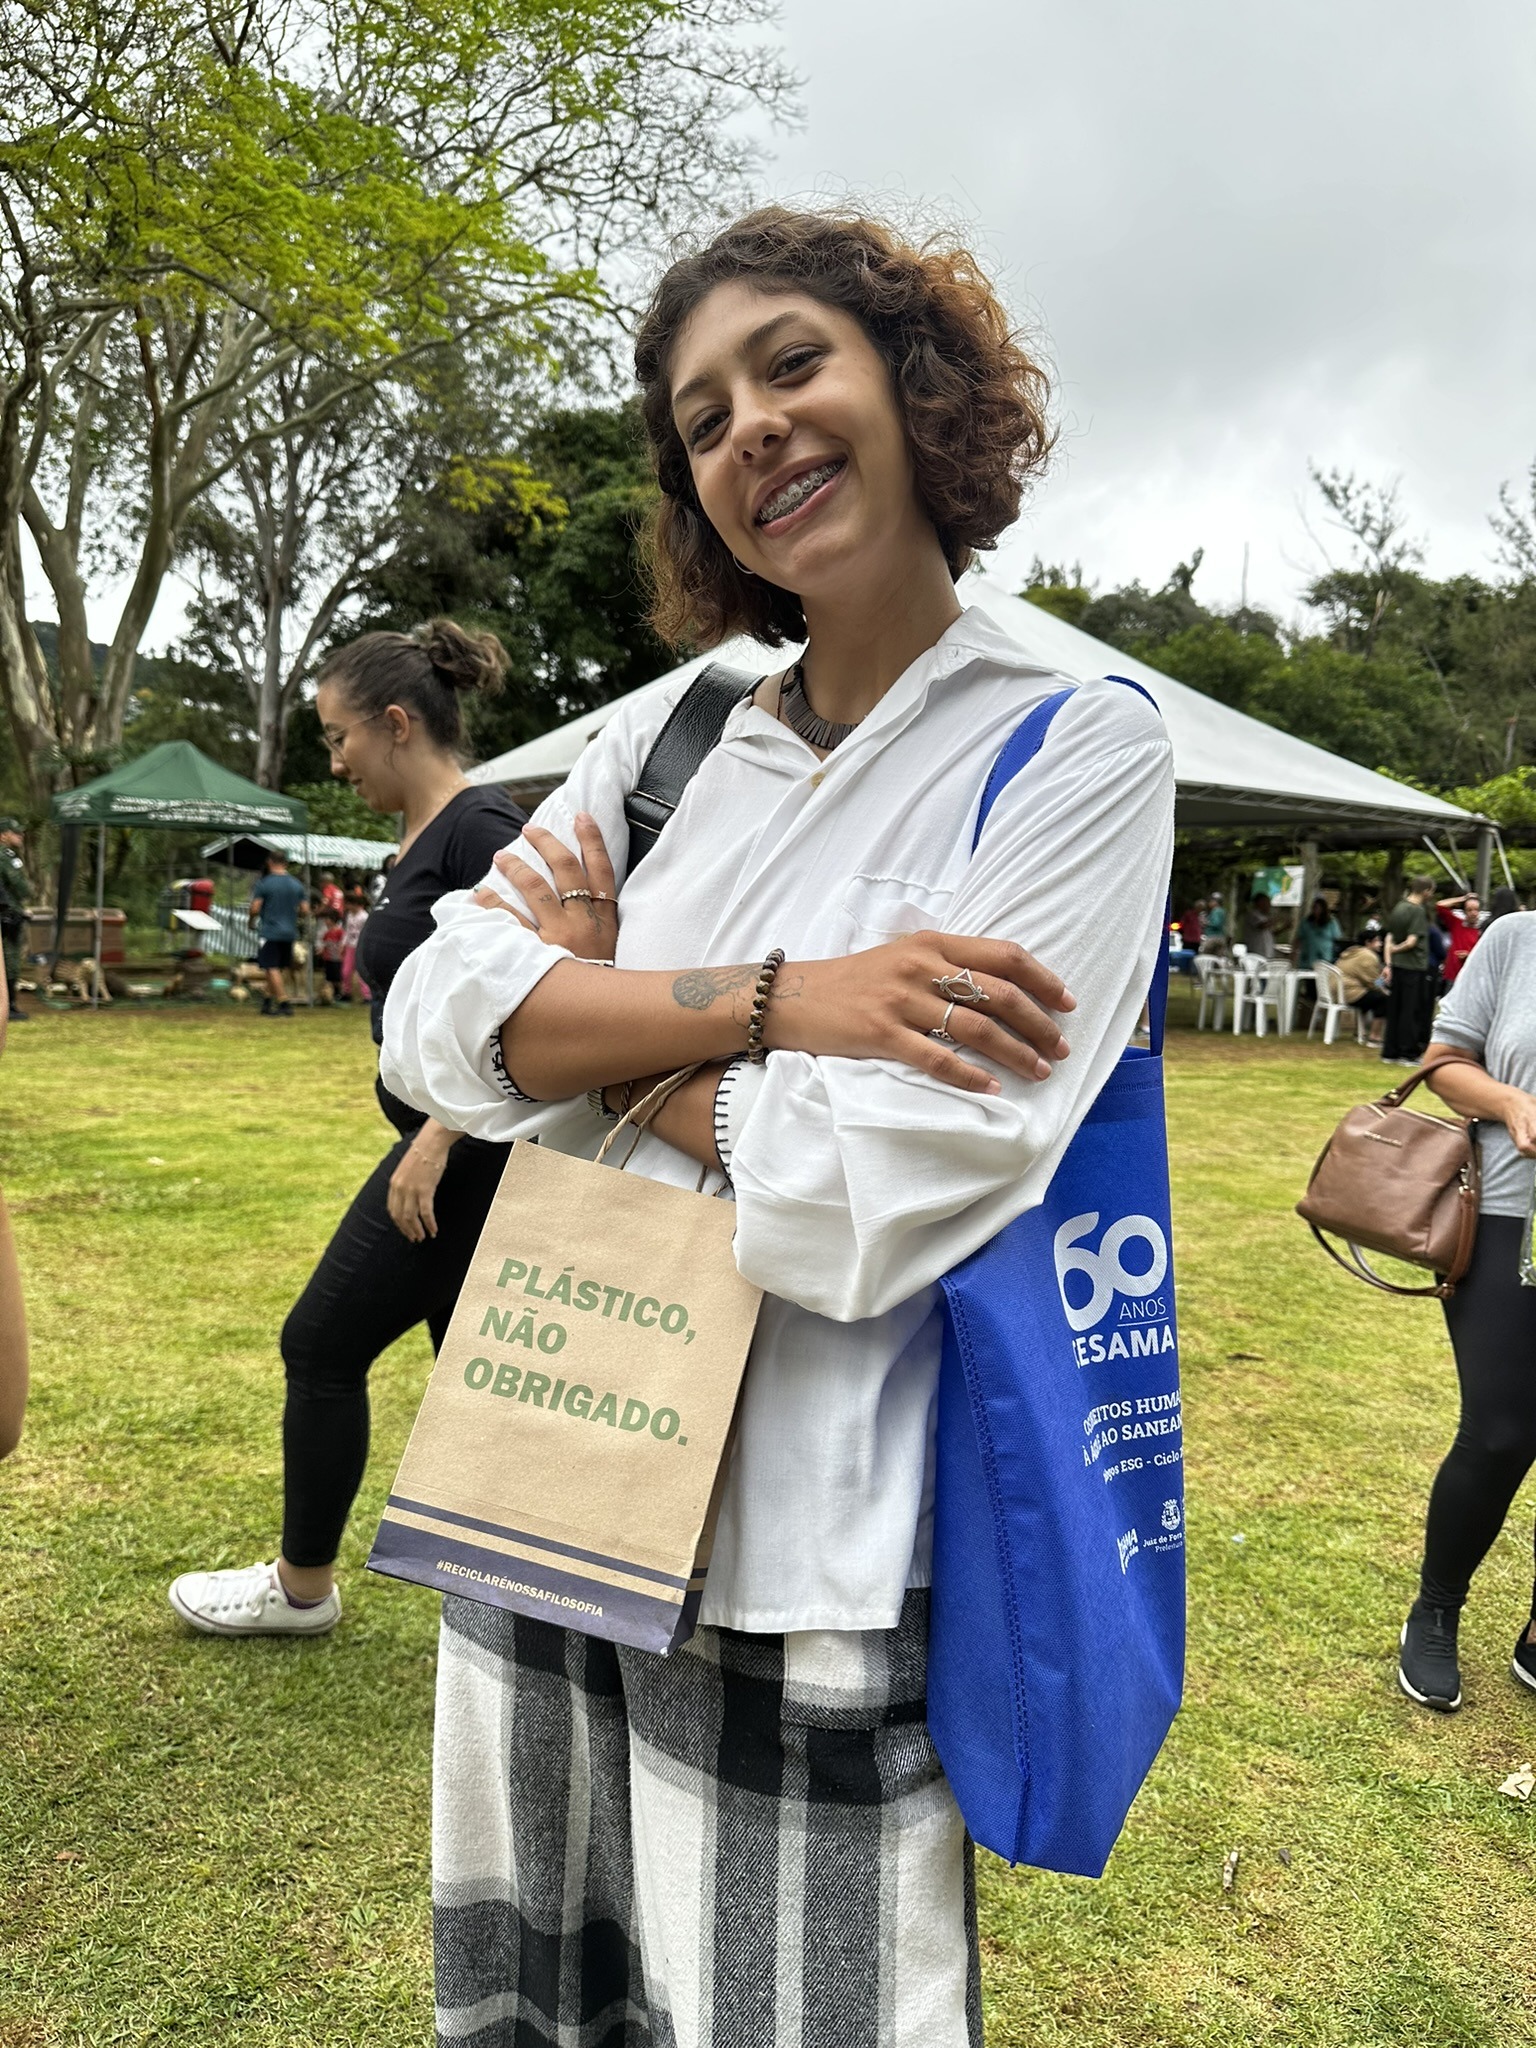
(756, 1051)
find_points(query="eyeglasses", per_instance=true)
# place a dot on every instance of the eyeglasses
(335, 741)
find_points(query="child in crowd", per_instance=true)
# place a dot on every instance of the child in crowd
(329, 952)
(352, 983)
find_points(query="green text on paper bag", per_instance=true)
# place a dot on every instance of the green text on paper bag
(567, 1456)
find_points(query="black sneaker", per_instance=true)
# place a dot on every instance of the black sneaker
(1427, 1669)
(1523, 1663)
(285, 1009)
(268, 1007)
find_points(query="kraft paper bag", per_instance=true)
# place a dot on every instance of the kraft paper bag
(568, 1454)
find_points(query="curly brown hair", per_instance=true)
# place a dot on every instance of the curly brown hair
(972, 400)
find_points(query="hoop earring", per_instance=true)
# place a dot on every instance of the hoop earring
(744, 569)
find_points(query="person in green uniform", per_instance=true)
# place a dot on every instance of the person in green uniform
(13, 907)
(1410, 986)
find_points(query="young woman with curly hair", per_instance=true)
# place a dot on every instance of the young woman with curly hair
(751, 1843)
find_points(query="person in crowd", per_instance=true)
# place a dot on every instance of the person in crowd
(1500, 904)
(1259, 926)
(13, 1319)
(1491, 1016)
(1410, 984)
(331, 946)
(352, 983)
(1461, 919)
(838, 421)
(1439, 953)
(1192, 927)
(275, 913)
(1359, 967)
(1214, 927)
(390, 709)
(380, 882)
(13, 909)
(1317, 936)
(332, 902)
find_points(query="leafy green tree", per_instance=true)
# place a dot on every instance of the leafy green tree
(337, 808)
(1135, 619)
(1358, 598)
(562, 587)
(1059, 590)
(193, 203)
(173, 698)
(1385, 708)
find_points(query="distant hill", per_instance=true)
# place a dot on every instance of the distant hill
(176, 699)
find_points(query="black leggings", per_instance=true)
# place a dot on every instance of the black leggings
(1492, 1321)
(370, 1287)
(1410, 1014)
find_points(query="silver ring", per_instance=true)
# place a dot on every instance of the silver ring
(961, 987)
(941, 1038)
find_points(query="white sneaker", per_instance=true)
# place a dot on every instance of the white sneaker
(249, 1603)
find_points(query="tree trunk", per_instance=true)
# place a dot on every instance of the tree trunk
(24, 679)
(271, 709)
(1392, 881)
(272, 747)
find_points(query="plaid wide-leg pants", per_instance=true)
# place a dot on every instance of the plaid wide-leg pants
(748, 1844)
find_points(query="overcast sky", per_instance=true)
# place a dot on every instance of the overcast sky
(1252, 235)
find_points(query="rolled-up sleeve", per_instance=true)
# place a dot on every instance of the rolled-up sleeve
(859, 1182)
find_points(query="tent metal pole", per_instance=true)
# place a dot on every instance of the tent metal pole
(101, 893)
(1498, 840)
(1484, 860)
(1459, 880)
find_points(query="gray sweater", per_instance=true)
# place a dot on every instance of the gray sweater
(1491, 1011)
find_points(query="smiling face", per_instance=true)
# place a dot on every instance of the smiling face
(794, 440)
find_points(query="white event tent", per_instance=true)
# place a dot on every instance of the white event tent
(1234, 773)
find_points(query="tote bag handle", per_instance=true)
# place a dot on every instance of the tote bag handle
(1020, 748)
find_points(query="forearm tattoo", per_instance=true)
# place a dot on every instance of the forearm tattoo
(700, 987)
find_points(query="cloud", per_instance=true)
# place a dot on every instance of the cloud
(1253, 236)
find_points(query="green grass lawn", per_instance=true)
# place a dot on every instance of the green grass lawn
(220, 1842)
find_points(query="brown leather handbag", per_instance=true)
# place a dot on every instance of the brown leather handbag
(1402, 1182)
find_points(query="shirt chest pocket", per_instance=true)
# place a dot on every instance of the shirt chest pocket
(879, 908)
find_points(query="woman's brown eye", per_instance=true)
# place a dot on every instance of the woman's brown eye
(797, 359)
(702, 429)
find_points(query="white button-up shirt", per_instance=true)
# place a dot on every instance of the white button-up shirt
(857, 1182)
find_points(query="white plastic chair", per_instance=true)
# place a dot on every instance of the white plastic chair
(1332, 1003)
(1213, 978)
(1263, 992)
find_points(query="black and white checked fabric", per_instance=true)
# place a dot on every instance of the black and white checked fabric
(748, 1844)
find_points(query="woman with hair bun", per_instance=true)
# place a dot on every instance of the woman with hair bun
(751, 1843)
(390, 707)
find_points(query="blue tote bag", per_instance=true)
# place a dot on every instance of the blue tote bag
(1056, 1650)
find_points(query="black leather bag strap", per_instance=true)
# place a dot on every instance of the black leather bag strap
(678, 752)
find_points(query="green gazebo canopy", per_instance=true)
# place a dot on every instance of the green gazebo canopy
(174, 785)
